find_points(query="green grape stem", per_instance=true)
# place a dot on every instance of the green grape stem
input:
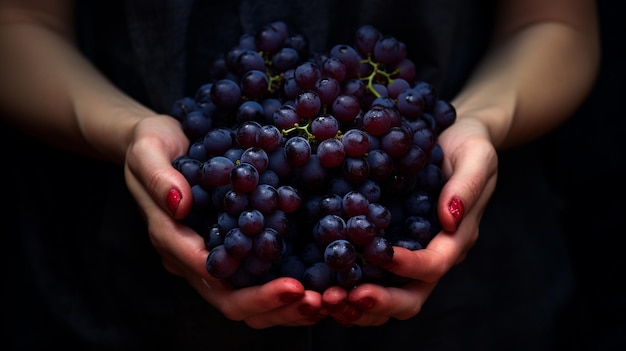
(378, 72)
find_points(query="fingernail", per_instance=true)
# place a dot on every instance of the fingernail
(456, 209)
(306, 310)
(365, 303)
(290, 297)
(173, 199)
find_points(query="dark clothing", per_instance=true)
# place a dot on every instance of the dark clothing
(79, 267)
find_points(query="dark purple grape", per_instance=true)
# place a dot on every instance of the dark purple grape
(225, 93)
(370, 189)
(289, 199)
(269, 177)
(327, 88)
(190, 168)
(268, 39)
(256, 157)
(406, 69)
(324, 127)
(237, 243)
(297, 151)
(396, 142)
(388, 50)
(268, 244)
(285, 117)
(419, 228)
(355, 169)
(429, 92)
(308, 104)
(298, 42)
(345, 108)
(279, 221)
(220, 264)
(306, 75)
(213, 237)
(216, 171)
(233, 154)
(351, 277)
(331, 153)
(286, 58)
(249, 60)
(251, 222)
(444, 114)
(256, 265)
(217, 141)
(246, 134)
(366, 38)
(334, 68)
(410, 103)
(198, 151)
(377, 121)
(340, 255)
(397, 86)
(354, 203)
(182, 107)
(381, 165)
(254, 84)
(379, 251)
(269, 138)
(379, 215)
(413, 161)
(264, 198)
(235, 202)
(318, 277)
(329, 228)
(331, 204)
(350, 58)
(418, 203)
(195, 124)
(360, 230)
(244, 177)
(292, 266)
(355, 142)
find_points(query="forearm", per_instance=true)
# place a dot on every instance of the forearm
(534, 78)
(52, 92)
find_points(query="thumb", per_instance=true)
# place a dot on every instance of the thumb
(473, 170)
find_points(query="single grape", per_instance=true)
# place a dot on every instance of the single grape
(297, 151)
(379, 251)
(251, 222)
(237, 243)
(340, 255)
(244, 177)
(220, 264)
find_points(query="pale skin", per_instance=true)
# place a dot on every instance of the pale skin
(542, 65)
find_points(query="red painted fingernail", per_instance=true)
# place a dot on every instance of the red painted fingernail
(173, 199)
(456, 209)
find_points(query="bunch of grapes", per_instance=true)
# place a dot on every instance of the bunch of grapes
(312, 165)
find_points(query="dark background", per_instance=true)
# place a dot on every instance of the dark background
(585, 160)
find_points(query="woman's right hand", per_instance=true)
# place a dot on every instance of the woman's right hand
(164, 197)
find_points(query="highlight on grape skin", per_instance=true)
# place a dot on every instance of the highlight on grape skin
(312, 165)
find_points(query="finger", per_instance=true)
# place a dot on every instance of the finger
(378, 303)
(158, 141)
(472, 168)
(243, 303)
(303, 312)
